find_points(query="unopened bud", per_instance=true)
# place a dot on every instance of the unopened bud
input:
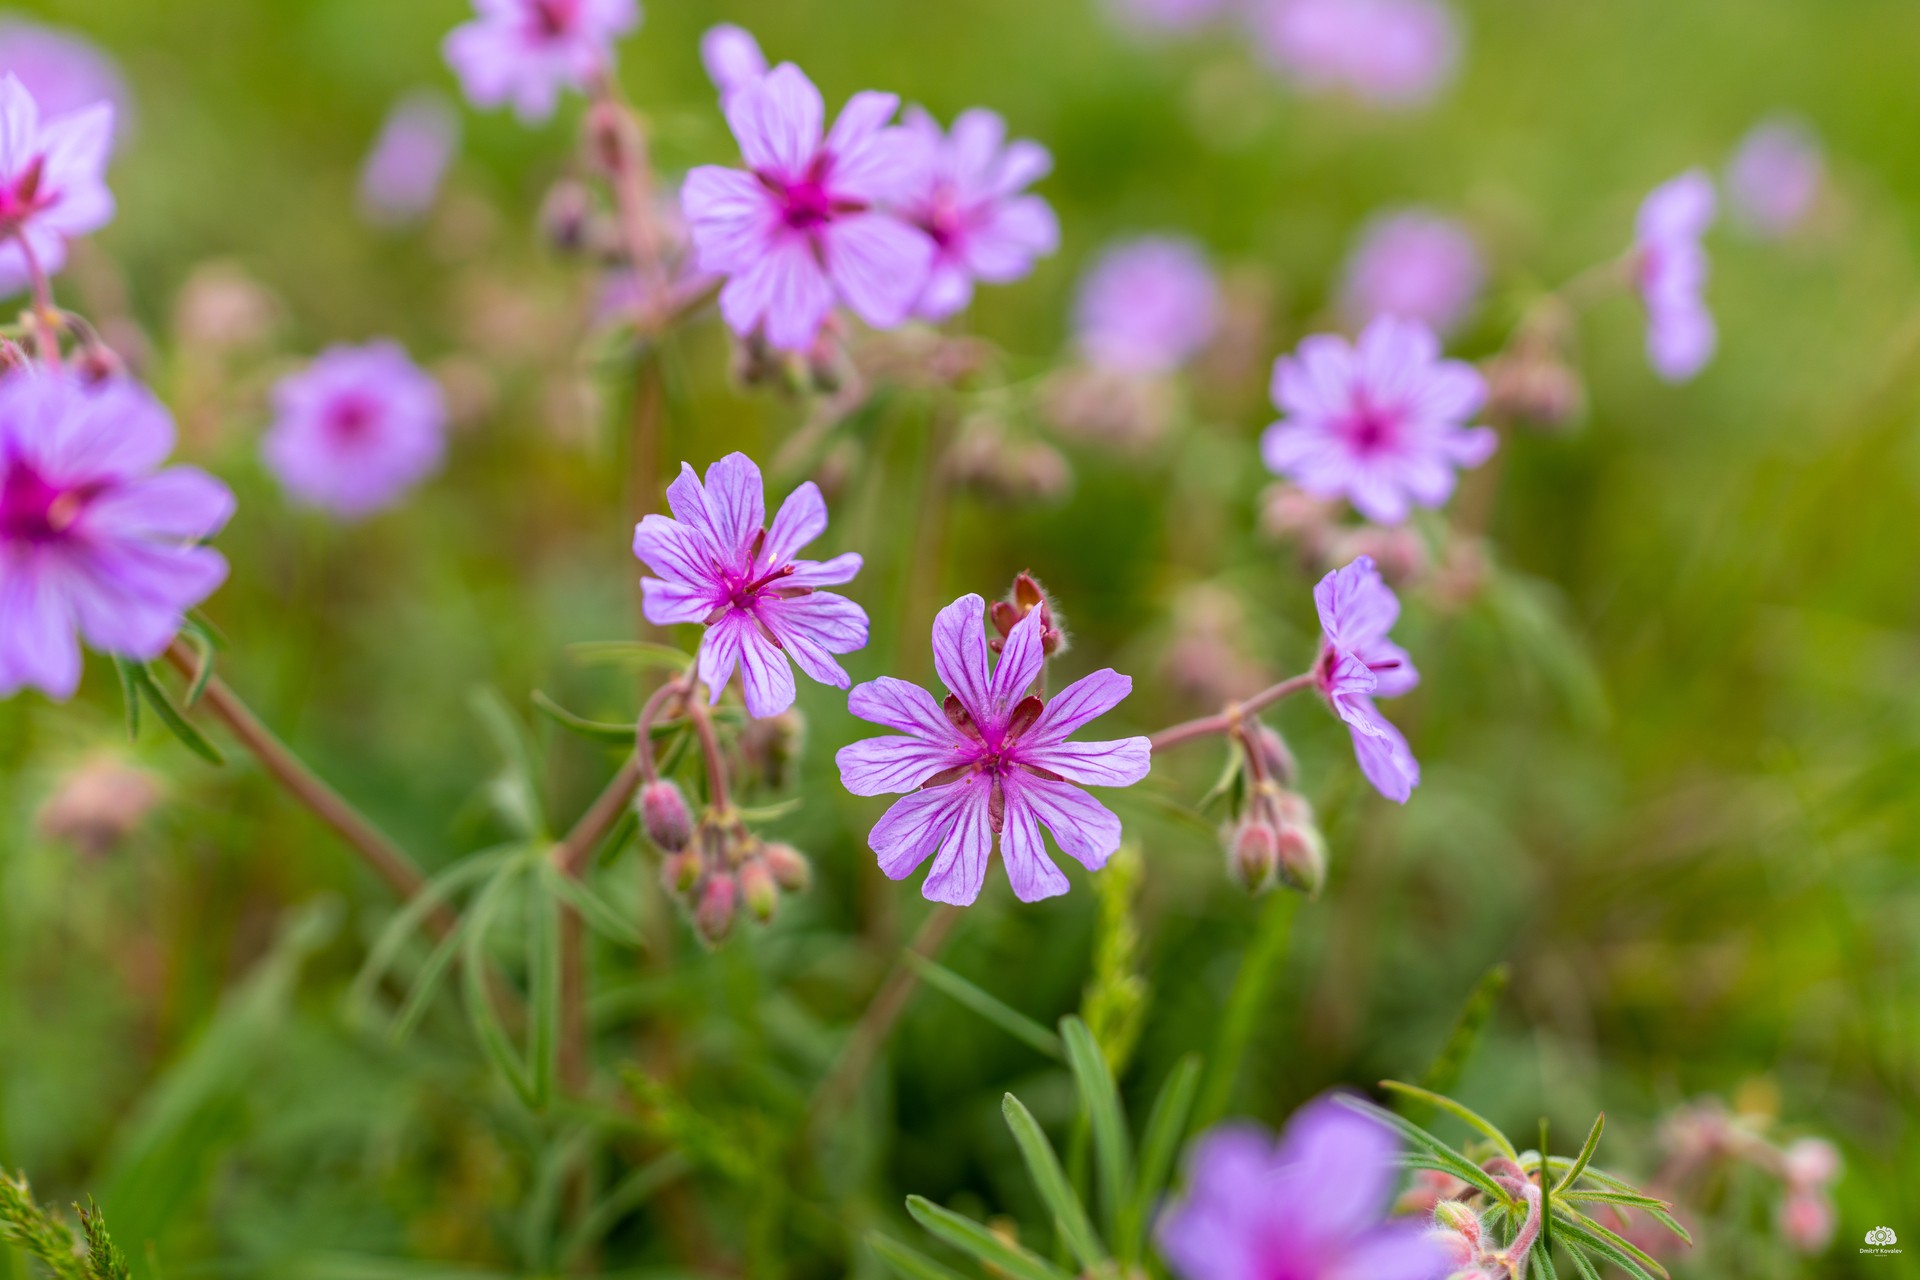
(1303, 858)
(1027, 596)
(665, 815)
(613, 136)
(770, 747)
(1275, 756)
(1253, 852)
(713, 917)
(681, 872)
(566, 216)
(758, 890)
(1460, 1219)
(757, 364)
(790, 868)
(1807, 1221)
(98, 805)
(97, 364)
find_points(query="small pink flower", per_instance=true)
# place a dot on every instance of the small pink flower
(524, 52)
(1670, 268)
(52, 181)
(1147, 306)
(968, 200)
(93, 538)
(732, 58)
(1394, 53)
(806, 224)
(63, 72)
(401, 177)
(356, 429)
(1380, 421)
(991, 763)
(1358, 664)
(1775, 177)
(722, 565)
(1415, 265)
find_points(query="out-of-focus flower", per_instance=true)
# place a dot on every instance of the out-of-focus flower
(1415, 265)
(402, 175)
(995, 463)
(968, 200)
(524, 52)
(1358, 664)
(1310, 1206)
(1147, 306)
(1775, 176)
(1393, 53)
(1670, 268)
(732, 58)
(52, 182)
(722, 565)
(221, 308)
(1808, 1167)
(992, 762)
(98, 804)
(356, 429)
(62, 71)
(1380, 421)
(92, 537)
(1110, 409)
(1207, 658)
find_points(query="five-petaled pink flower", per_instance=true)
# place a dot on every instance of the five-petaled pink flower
(92, 537)
(1380, 421)
(1358, 663)
(992, 761)
(969, 201)
(721, 564)
(356, 429)
(1671, 269)
(806, 224)
(52, 182)
(526, 51)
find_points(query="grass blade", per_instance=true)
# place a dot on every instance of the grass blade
(1008, 1019)
(1444, 1072)
(1112, 1147)
(599, 914)
(970, 1237)
(493, 1038)
(910, 1264)
(1166, 1126)
(1043, 1166)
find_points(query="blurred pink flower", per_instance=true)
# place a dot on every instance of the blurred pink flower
(52, 182)
(524, 52)
(1147, 305)
(1394, 53)
(1776, 175)
(402, 174)
(732, 58)
(62, 71)
(1167, 15)
(1415, 265)
(1380, 421)
(1670, 268)
(93, 538)
(1358, 663)
(968, 200)
(805, 225)
(992, 762)
(356, 429)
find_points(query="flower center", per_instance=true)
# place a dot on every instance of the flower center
(552, 19)
(808, 203)
(942, 219)
(24, 196)
(31, 510)
(351, 418)
(1370, 429)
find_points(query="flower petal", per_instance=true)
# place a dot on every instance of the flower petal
(720, 651)
(907, 707)
(736, 504)
(1387, 760)
(1086, 830)
(1085, 700)
(1355, 605)
(960, 653)
(801, 519)
(834, 623)
(674, 550)
(879, 264)
(766, 674)
(1021, 658)
(777, 119)
(1118, 763)
(961, 869)
(1338, 1167)
(890, 765)
(826, 573)
(1030, 871)
(37, 645)
(910, 830)
(783, 291)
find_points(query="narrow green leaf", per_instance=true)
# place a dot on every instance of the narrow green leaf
(493, 1038)
(1444, 1071)
(203, 674)
(1658, 1210)
(1580, 1263)
(627, 1195)
(411, 917)
(1542, 1257)
(1008, 1019)
(516, 791)
(1166, 1126)
(601, 916)
(1546, 1197)
(1112, 1147)
(610, 733)
(1439, 1156)
(1618, 1257)
(629, 653)
(543, 982)
(769, 812)
(1043, 1166)
(130, 695)
(910, 1264)
(970, 1237)
(1584, 1158)
(1473, 1119)
(178, 725)
(425, 983)
(1596, 1235)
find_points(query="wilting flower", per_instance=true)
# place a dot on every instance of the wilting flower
(1671, 269)
(721, 564)
(1381, 421)
(1395, 53)
(356, 429)
(1310, 1206)
(402, 174)
(1358, 663)
(1147, 306)
(968, 200)
(92, 537)
(803, 226)
(1415, 265)
(62, 71)
(1167, 15)
(732, 58)
(52, 182)
(992, 762)
(1775, 176)
(525, 52)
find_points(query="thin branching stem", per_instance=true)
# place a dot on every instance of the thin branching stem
(1229, 720)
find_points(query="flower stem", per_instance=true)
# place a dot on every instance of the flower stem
(1229, 721)
(46, 337)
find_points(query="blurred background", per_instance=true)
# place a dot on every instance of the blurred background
(1670, 733)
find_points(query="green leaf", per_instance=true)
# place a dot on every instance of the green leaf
(411, 917)
(629, 653)
(1439, 1156)
(1546, 1198)
(1580, 1263)
(1618, 1256)
(601, 916)
(970, 1237)
(1444, 1072)
(1043, 1166)
(770, 812)
(203, 646)
(1658, 1210)
(130, 695)
(516, 789)
(1584, 1158)
(1473, 1119)
(493, 1038)
(139, 679)
(1008, 1019)
(1166, 1126)
(1112, 1147)
(908, 1263)
(543, 981)
(1542, 1257)
(615, 735)
(425, 983)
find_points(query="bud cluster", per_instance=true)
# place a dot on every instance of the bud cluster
(1705, 1137)
(1025, 597)
(718, 867)
(1276, 838)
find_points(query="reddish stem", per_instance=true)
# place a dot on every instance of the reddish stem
(1229, 720)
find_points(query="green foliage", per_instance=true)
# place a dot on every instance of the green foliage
(91, 1255)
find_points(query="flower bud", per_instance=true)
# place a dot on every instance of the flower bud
(664, 814)
(713, 917)
(681, 872)
(758, 890)
(1534, 386)
(613, 136)
(1275, 755)
(770, 747)
(96, 363)
(1302, 857)
(1024, 598)
(790, 868)
(1253, 853)
(1459, 1219)
(1810, 1162)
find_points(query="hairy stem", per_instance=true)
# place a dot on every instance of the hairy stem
(46, 335)
(1229, 721)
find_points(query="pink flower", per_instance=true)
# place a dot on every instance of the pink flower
(968, 202)
(1394, 53)
(1147, 306)
(1311, 1206)
(732, 58)
(1415, 265)
(62, 72)
(992, 762)
(1358, 664)
(402, 174)
(1380, 421)
(525, 52)
(1167, 15)
(721, 564)
(1671, 270)
(1775, 177)
(92, 537)
(356, 429)
(52, 181)
(805, 224)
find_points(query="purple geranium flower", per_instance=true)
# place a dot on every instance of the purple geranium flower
(1358, 664)
(401, 177)
(1415, 265)
(52, 182)
(356, 429)
(526, 51)
(1380, 421)
(993, 761)
(1147, 306)
(805, 225)
(1671, 270)
(1394, 53)
(721, 564)
(63, 72)
(92, 537)
(1311, 1206)
(1775, 177)
(968, 200)
(732, 58)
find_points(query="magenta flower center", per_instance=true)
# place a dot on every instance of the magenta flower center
(943, 218)
(351, 418)
(1369, 429)
(808, 203)
(24, 196)
(31, 510)
(552, 19)
(744, 591)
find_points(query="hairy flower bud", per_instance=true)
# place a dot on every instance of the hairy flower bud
(665, 815)
(1459, 1219)
(1253, 853)
(681, 872)
(1303, 858)
(719, 901)
(758, 890)
(1024, 598)
(790, 868)
(1276, 757)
